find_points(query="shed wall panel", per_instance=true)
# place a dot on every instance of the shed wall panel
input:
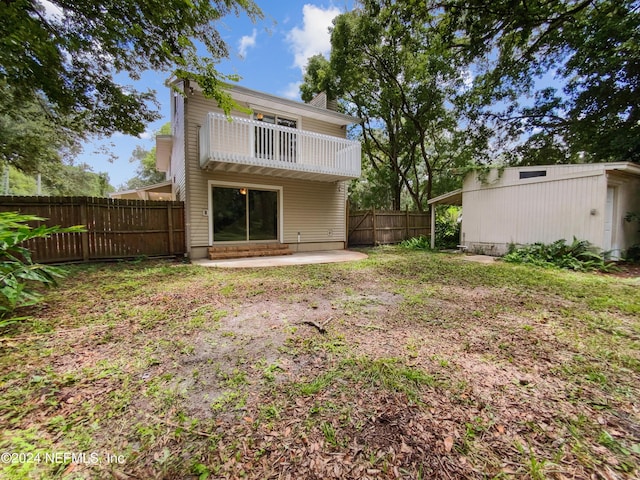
(543, 209)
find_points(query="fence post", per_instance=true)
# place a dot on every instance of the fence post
(373, 213)
(170, 226)
(406, 222)
(432, 232)
(84, 236)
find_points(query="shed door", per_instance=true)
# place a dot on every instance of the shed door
(609, 243)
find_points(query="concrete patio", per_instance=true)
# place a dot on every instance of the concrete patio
(300, 258)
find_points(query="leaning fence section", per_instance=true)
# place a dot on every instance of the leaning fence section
(377, 227)
(115, 228)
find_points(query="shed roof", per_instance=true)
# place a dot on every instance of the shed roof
(157, 191)
(451, 198)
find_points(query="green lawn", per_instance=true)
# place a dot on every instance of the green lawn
(430, 367)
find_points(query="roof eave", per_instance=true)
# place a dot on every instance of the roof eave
(241, 93)
(451, 198)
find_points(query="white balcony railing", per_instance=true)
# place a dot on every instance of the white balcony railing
(283, 150)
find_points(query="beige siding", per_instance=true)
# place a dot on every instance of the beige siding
(176, 171)
(198, 224)
(315, 209)
(568, 202)
(313, 125)
(200, 106)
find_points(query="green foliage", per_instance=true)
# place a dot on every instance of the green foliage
(18, 272)
(447, 231)
(19, 183)
(632, 254)
(372, 190)
(416, 243)
(60, 60)
(146, 173)
(632, 217)
(30, 138)
(447, 226)
(76, 180)
(318, 77)
(579, 255)
(590, 48)
(58, 179)
(395, 71)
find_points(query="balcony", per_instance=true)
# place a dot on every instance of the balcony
(233, 144)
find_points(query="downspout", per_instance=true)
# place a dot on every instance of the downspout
(187, 176)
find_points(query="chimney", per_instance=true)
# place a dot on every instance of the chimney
(320, 100)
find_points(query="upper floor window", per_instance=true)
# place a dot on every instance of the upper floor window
(273, 143)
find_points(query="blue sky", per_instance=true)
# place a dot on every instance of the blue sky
(269, 55)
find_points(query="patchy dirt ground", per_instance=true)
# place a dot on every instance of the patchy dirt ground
(627, 270)
(405, 365)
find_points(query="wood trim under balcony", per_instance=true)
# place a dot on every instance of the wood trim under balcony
(241, 145)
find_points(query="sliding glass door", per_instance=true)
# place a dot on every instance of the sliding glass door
(244, 214)
(263, 214)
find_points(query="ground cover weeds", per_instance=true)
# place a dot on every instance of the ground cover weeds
(429, 367)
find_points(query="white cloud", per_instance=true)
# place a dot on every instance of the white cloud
(467, 79)
(247, 42)
(51, 11)
(147, 134)
(313, 37)
(292, 91)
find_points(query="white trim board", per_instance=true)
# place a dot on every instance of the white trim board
(220, 183)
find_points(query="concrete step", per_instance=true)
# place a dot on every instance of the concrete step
(250, 250)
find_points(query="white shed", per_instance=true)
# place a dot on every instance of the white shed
(524, 205)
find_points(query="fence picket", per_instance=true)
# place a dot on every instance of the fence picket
(115, 228)
(374, 227)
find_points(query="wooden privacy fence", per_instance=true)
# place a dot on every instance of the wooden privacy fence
(375, 227)
(115, 228)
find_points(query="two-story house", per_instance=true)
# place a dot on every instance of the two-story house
(269, 178)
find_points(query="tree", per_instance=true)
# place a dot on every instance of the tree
(590, 47)
(394, 71)
(64, 57)
(318, 77)
(146, 173)
(57, 179)
(76, 180)
(29, 138)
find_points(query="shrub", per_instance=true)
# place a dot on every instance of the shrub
(447, 226)
(417, 243)
(447, 231)
(579, 255)
(18, 273)
(633, 252)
